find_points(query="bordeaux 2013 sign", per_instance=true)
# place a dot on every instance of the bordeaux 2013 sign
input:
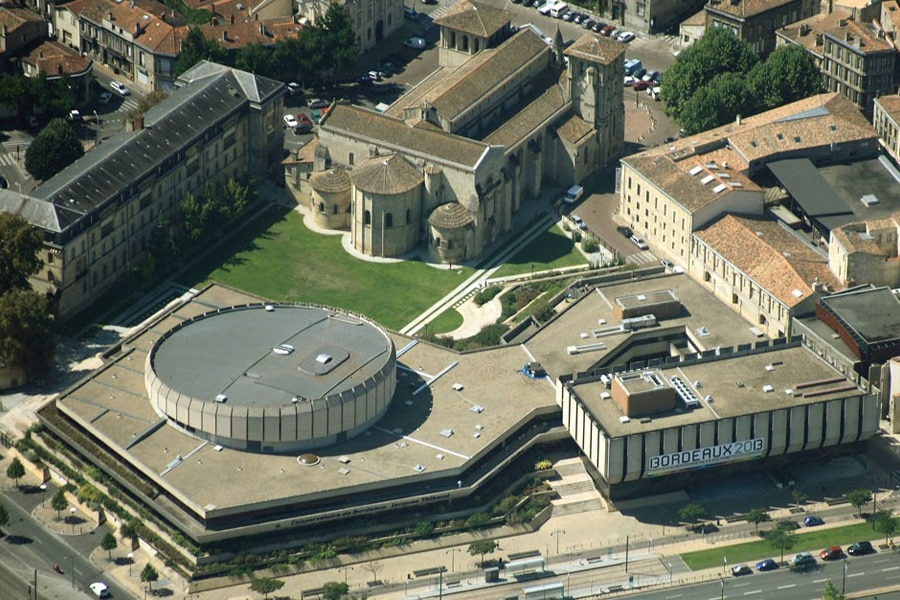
(703, 457)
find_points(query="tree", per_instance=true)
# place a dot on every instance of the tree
(337, 38)
(720, 101)
(4, 515)
(885, 522)
(149, 575)
(333, 590)
(858, 498)
(788, 75)
(757, 516)
(109, 544)
(20, 247)
(831, 592)
(151, 100)
(17, 93)
(482, 547)
(59, 502)
(373, 567)
(799, 496)
(15, 470)
(782, 538)
(255, 58)
(130, 529)
(718, 51)
(693, 511)
(266, 585)
(55, 148)
(196, 48)
(26, 331)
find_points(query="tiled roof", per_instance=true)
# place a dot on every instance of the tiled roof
(890, 105)
(146, 17)
(770, 255)
(746, 8)
(41, 214)
(12, 16)
(698, 18)
(53, 58)
(856, 237)
(475, 18)
(332, 180)
(807, 33)
(891, 10)
(484, 72)
(522, 123)
(596, 48)
(238, 35)
(385, 175)
(574, 129)
(451, 215)
(384, 131)
(862, 37)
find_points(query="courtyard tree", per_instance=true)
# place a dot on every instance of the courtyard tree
(482, 547)
(337, 39)
(799, 496)
(15, 470)
(26, 331)
(59, 502)
(720, 101)
(195, 48)
(885, 522)
(788, 74)
(757, 516)
(334, 590)
(266, 585)
(53, 149)
(17, 93)
(692, 512)
(20, 246)
(4, 515)
(149, 575)
(130, 529)
(782, 538)
(858, 498)
(109, 543)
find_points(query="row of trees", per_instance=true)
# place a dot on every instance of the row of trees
(720, 77)
(328, 47)
(21, 94)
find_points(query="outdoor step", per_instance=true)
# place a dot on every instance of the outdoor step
(575, 487)
(574, 508)
(564, 468)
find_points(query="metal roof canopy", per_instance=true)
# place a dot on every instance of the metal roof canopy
(804, 182)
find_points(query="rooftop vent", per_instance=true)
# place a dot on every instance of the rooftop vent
(869, 200)
(221, 398)
(323, 358)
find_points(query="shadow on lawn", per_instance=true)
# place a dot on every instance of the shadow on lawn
(548, 247)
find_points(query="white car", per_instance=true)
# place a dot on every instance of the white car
(625, 36)
(317, 103)
(290, 121)
(629, 81)
(640, 243)
(99, 589)
(579, 222)
(120, 87)
(415, 42)
(104, 98)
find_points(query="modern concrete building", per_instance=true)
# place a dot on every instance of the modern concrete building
(449, 163)
(97, 215)
(755, 21)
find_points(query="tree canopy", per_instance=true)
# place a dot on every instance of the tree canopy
(149, 574)
(858, 498)
(109, 543)
(55, 148)
(831, 592)
(782, 538)
(266, 585)
(482, 547)
(59, 502)
(20, 244)
(15, 470)
(885, 522)
(719, 77)
(334, 590)
(757, 516)
(691, 512)
(195, 48)
(26, 331)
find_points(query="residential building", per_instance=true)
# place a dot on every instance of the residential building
(54, 61)
(886, 119)
(692, 28)
(867, 252)
(755, 21)
(20, 29)
(97, 215)
(372, 20)
(449, 162)
(862, 11)
(139, 40)
(652, 16)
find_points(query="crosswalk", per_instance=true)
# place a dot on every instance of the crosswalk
(644, 257)
(427, 22)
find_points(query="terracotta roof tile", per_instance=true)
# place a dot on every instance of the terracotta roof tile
(475, 18)
(770, 255)
(144, 19)
(857, 237)
(451, 215)
(332, 180)
(745, 8)
(890, 105)
(237, 35)
(596, 48)
(13, 16)
(53, 58)
(808, 32)
(386, 175)
(522, 123)
(574, 129)
(853, 33)
(698, 18)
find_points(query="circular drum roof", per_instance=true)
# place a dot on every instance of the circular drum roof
(332, 180)
(273, 377)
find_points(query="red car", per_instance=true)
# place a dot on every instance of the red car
(833, 553)
(304, 124)
(639, 86)
(607, 30)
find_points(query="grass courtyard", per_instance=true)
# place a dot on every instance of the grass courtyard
(278, 258)
(553, 249)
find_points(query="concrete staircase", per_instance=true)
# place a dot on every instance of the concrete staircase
(575, 489)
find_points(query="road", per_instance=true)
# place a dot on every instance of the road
(27, 546)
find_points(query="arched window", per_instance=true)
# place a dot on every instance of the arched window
(321, 207)
(465, 44)
(367, 218)
(408, 216)
(388, 220)
(437, 242)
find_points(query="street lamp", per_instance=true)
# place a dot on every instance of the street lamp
(43, 492)
(669, 569)
(344, 569)
(72, 511)
(130, 561)
(723, 589)
(725, 565)
(556, 535)
(452, 552)
(844, 578)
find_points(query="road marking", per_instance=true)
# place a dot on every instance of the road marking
(890, 569)
(893, 577)
(855, 574)
(675, 596)
(753, 592)
(787, 587)
(819, 580)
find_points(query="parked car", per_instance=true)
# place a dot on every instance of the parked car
(293, 88)
(614, 34)
(766, 565)
(99, 589)
(812, 521)
(624, 231)
(803, 561)
(290, 121)
(568, 16)
(629, 81)
(625, 37)
(639, 73)
(119, 87)
(577, 17)
(364, 80)
(639, 242)
(74, 115)
(588, 23)
(639, 86)
(650, 75)
(738, 570)
(860, 548)
(598, 26)
(415, 42)
(317, 103)
(375, 75)
(579, 222)
(104, 98)
(666, 264)
(304, 124)
(832, 553)
(410, 13)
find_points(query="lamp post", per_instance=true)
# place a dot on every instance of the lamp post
(844, 578)
(556, 535)
(669, 569)
(345, 568)
(723, 589)
(725, 564)
(130, 562)
(452, 552)
(43, 493)
(72, 511)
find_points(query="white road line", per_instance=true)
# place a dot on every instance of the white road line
(819, 580)
(675, 596)
(753, 592)
(855, 575)
(787, 587)
(890, 569)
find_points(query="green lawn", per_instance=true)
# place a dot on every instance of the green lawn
(447, 321)
(808, 541)
(278, 258)
(552, 249)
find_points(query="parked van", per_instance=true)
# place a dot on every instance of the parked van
(546, 8)
(573, 194)
(559, 10)
(633, 65)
